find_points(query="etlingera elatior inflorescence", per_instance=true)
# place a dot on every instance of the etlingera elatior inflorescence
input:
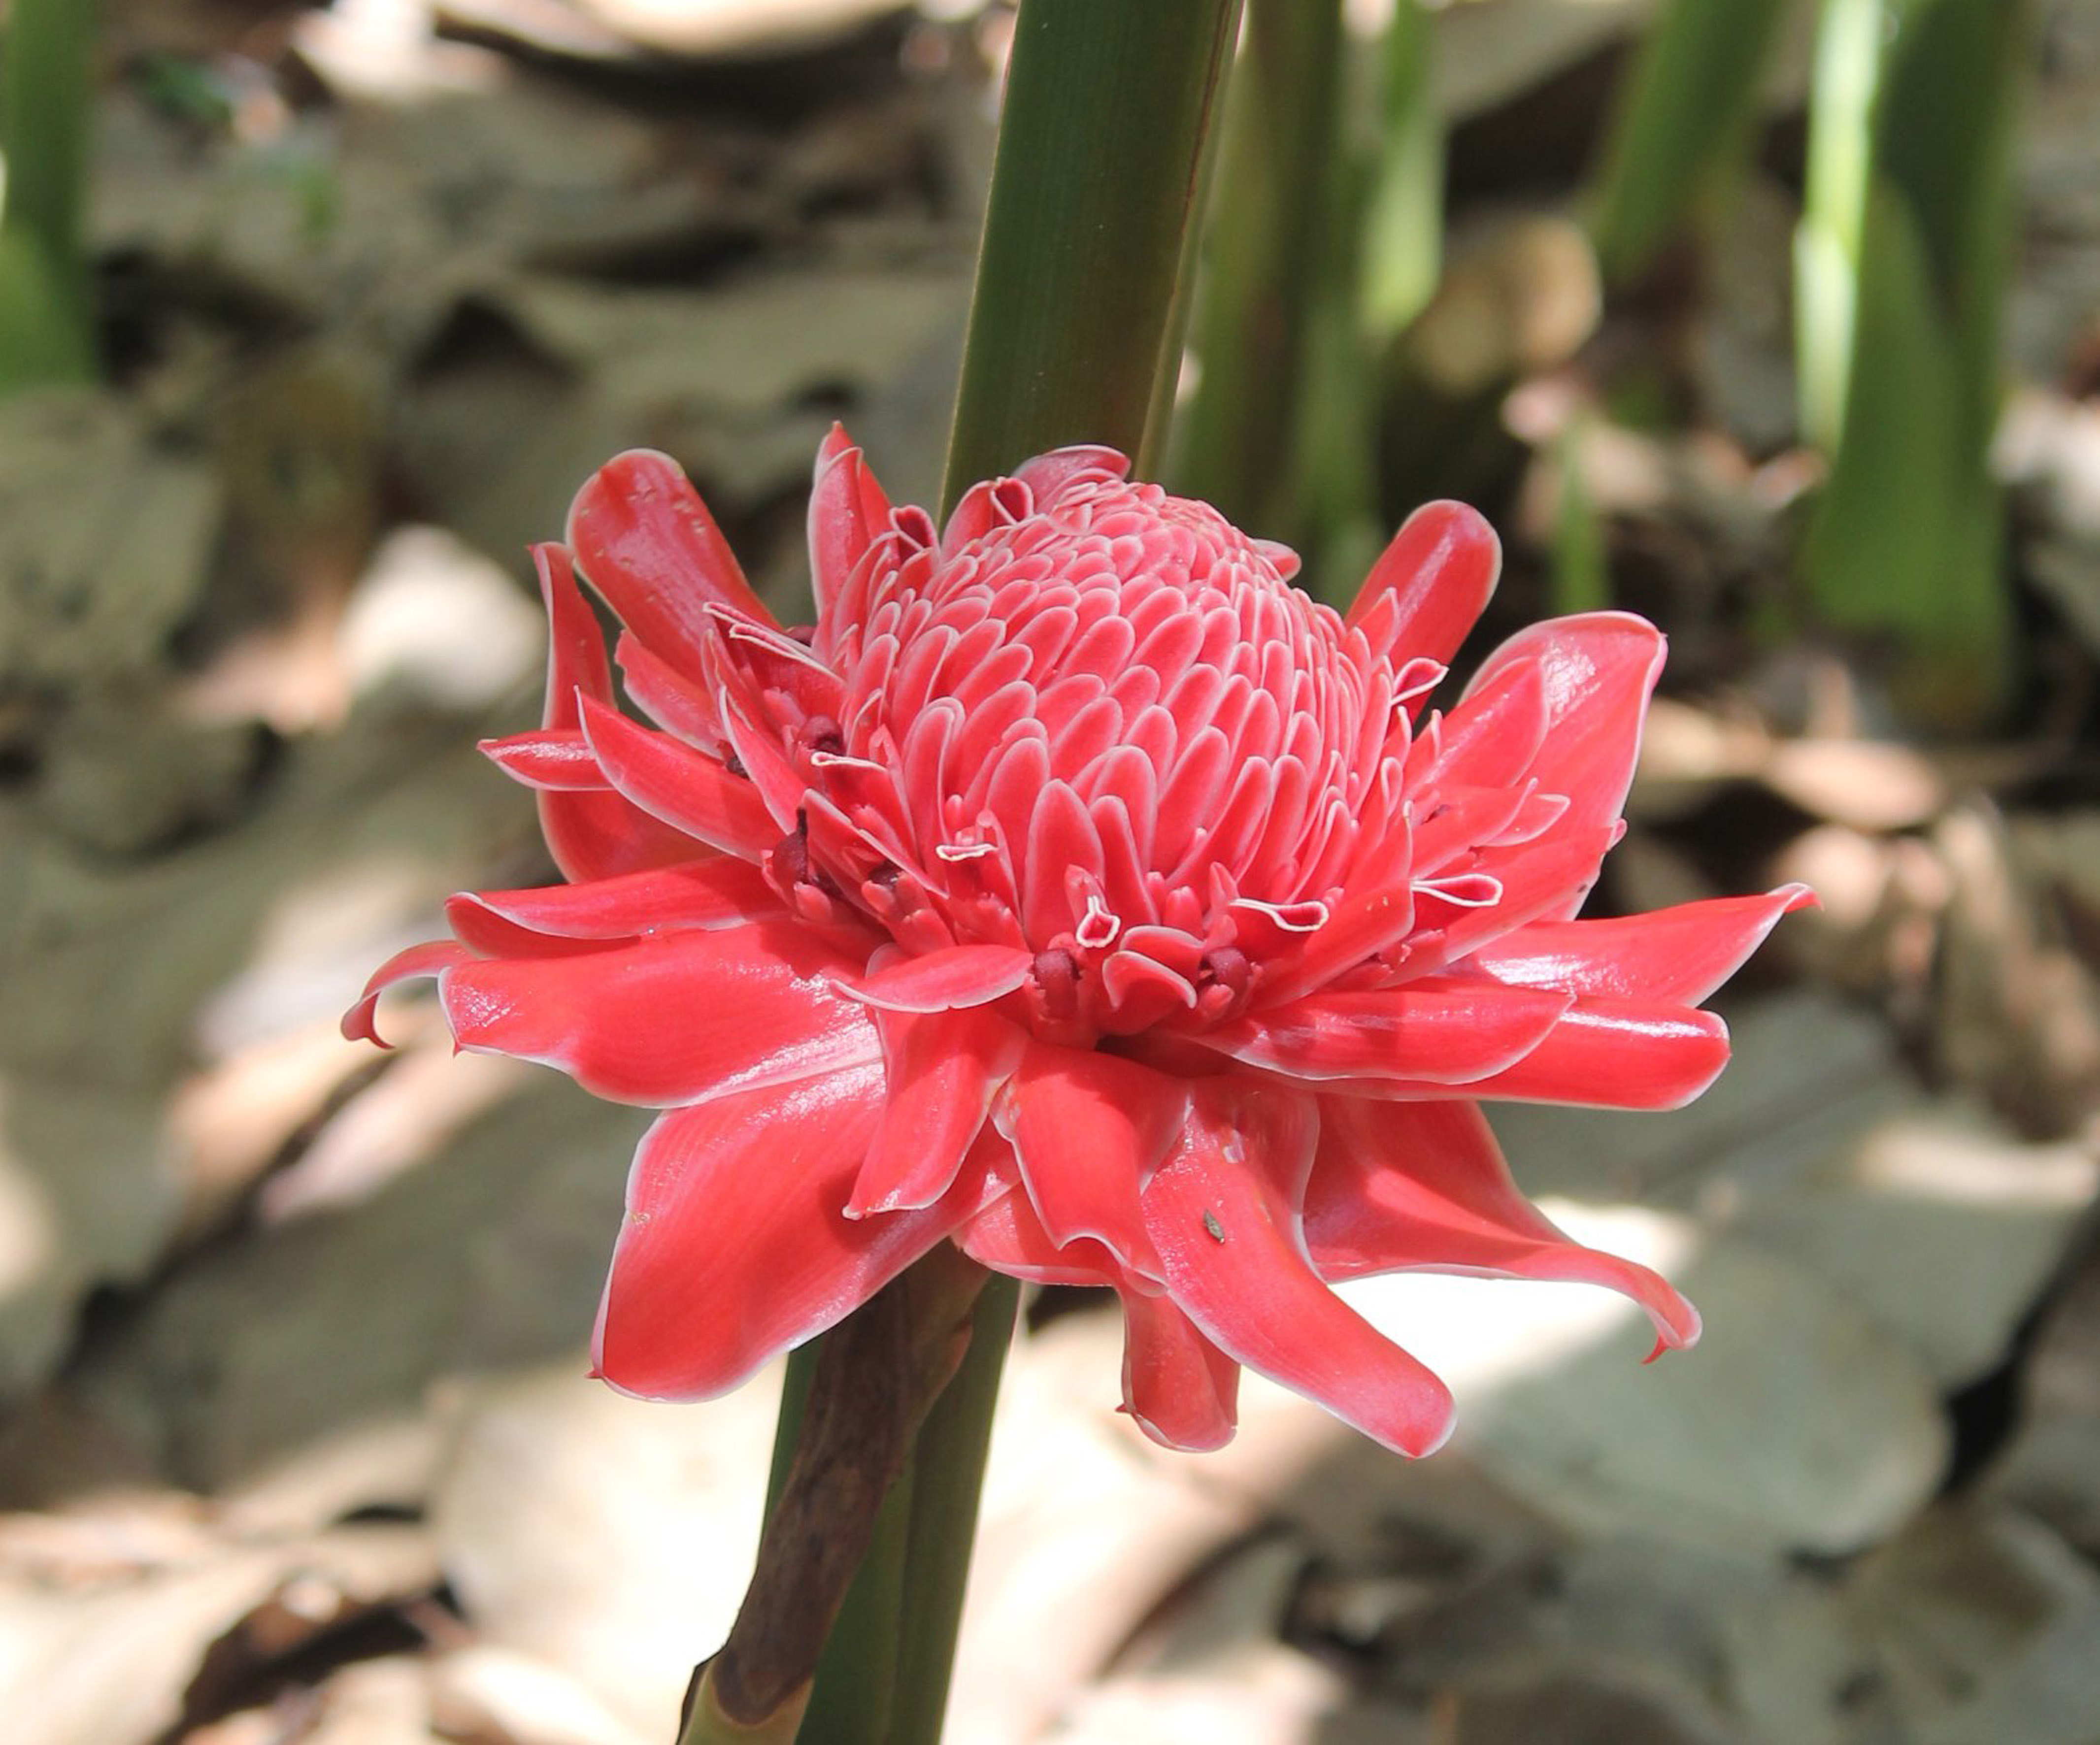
(1078, 891)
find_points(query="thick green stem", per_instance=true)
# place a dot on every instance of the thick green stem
(878, 1374)
(1094, 188)
(1072, 330)
(1073, 337)
(947, 1476)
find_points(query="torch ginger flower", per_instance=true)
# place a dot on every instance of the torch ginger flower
(1080, 892)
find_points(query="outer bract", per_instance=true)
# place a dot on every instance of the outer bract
(1078, 891)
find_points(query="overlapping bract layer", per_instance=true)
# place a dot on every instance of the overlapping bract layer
(1078, 891)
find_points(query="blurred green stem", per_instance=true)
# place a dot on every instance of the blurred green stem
(1827, 246)
(1373, 268)
(46, 111)
(1277, 159)
(1681, 126)
(1902, 261)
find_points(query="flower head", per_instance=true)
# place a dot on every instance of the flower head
(1078, 891)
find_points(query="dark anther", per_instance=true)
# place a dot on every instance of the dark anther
(886, 874)
(792, 857)
(735, 765)
(1057, 977)
(822, 733)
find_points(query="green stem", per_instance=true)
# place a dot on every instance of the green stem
(854, 1700)
(1094, 188)
(946, 1477)
(47, 106)
(787, 1427)
(856, 1676)
(1682, 124)
(1827, 246)
(871, 1386)
(1277, 154)
(1072, 331)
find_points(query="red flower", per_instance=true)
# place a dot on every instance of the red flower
(1080, 892)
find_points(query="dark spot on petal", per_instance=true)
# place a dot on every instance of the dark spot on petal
(735, 765)
(822, 733)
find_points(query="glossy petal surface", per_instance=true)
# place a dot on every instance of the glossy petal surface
(734, 1246)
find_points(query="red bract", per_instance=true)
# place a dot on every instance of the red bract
(1080, 892)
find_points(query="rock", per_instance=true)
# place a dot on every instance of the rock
(1797, 1424)
(1939, 1222)
(1983, 1623)
(2052, 1466)
(87, 596)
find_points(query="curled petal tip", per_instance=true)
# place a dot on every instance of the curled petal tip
(360, 1024)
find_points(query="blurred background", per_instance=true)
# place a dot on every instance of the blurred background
(1777, 320)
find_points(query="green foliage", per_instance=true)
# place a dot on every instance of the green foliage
(1681, 128)
(1277, 169)
(1377, 263)
(1403, 224)
(1901, 267)
(1323, 243)
(1581, 579)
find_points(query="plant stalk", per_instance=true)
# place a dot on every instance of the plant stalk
(1094, 187)
(1072, 331)
(46, 112)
